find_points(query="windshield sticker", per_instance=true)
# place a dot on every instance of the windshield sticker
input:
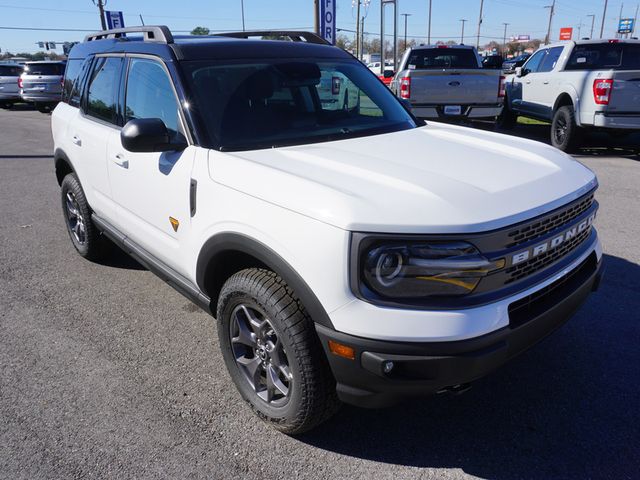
(412, 67)
(581, 60)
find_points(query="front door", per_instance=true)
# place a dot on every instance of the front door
(152, 190)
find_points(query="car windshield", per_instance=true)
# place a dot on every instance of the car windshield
(605, 56)
(44, 69)
(436, 58)
(269, 103)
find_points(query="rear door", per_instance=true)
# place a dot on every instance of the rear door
(43, 78)
(9, 75)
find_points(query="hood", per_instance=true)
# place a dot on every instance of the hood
(433, 179)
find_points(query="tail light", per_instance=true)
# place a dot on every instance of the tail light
(19, 82)
(602, 91)
(405, 87)
(502, 86)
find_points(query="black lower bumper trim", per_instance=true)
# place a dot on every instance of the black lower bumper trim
(426, 368)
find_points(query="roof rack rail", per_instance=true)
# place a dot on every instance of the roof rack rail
(294, 36)
(152, 33)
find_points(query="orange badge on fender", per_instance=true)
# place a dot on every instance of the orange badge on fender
(174, 223)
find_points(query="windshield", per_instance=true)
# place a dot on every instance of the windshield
(44, 69)
(270, 103)
(437, 58)
(605, 56)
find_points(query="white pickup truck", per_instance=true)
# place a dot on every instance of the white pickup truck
(448, 81)
(577, 86)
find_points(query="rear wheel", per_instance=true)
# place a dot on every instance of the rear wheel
(565, 134)
(6, 105)
(44, 107)
(86, 238)
(272, 352)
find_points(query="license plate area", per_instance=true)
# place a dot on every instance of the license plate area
(453, 110)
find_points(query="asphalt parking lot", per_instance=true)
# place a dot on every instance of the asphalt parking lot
(107, 372)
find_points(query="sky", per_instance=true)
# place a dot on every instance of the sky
(525, 17)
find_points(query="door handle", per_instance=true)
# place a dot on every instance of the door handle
(76, 140)
(528, 82)
(546, 83)
(120, 161)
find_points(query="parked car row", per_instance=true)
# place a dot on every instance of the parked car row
(39, 83)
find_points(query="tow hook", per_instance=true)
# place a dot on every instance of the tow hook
(456, 389)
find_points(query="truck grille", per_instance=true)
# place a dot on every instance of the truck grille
(525, 269)
(544, 226)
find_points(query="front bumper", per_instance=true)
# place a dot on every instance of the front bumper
(426, 368)
(626, 122)
(467, 111)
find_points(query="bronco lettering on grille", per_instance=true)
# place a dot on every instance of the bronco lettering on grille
(552, 243)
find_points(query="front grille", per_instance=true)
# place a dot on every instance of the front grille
(543, 260)
(529, 307)
(541, 227)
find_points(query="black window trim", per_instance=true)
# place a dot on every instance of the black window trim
(85, 92)
(123, 93)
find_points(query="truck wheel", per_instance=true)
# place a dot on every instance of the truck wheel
(44, 107)
(272, 353)
(86, 238)
(565, 134)
(507, 120)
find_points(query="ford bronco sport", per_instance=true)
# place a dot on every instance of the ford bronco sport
(348, 253)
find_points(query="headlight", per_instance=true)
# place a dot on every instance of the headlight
(424, 269)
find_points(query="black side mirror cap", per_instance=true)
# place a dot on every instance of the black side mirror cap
(388, 73)
(149, 135)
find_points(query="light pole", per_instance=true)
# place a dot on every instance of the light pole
(405, 15)
(463, 20)
(242, 7)
(604, 16)
(100, 4)
(429, 30)
(479, 24)
(552, 8)
(504, 41)
(593, 20)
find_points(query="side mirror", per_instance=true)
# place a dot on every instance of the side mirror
(519, 72)
(149, 135)
(389, 73)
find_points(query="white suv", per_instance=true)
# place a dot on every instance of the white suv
(349, 254)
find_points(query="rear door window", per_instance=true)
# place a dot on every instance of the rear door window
(439, 58)
(102, 95)
(44, 69)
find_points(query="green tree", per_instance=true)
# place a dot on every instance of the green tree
(200, 31)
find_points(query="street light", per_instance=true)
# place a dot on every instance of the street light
(593, 19)
(429, 30)
(504, 40)
(242, 7)
(463, 20)
(405, 15)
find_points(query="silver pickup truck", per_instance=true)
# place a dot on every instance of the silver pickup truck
(445, 81)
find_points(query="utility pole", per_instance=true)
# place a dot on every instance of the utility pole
(316, 16)
(141, 19)
(100, 5)
(552, 8)
(405, 15)
(604, 16)
(593, 19)
(504, 41)
(242, 8)
(580, 29)
(463, 20)
(479, 24)
(358, 30)
(619, 18)
(635, 20)
(362, 38)
(429, 29)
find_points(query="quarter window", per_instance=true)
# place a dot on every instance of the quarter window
(150, 94)
(102, 97)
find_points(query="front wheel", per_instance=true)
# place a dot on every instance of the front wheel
(272, 352)
(565, 134)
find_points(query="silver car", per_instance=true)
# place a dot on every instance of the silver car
(9, 89)
(41, 84)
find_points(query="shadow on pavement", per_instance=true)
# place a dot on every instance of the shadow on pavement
(118, 258)
(568, 408)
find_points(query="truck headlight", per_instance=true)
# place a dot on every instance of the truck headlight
(423, 269)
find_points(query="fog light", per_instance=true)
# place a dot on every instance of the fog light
(387, 366)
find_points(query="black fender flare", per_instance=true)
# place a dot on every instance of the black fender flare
(212, 255)
(60, 158)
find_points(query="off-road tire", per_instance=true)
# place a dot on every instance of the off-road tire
(564, 121)
(313, 397)
(94, 246)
